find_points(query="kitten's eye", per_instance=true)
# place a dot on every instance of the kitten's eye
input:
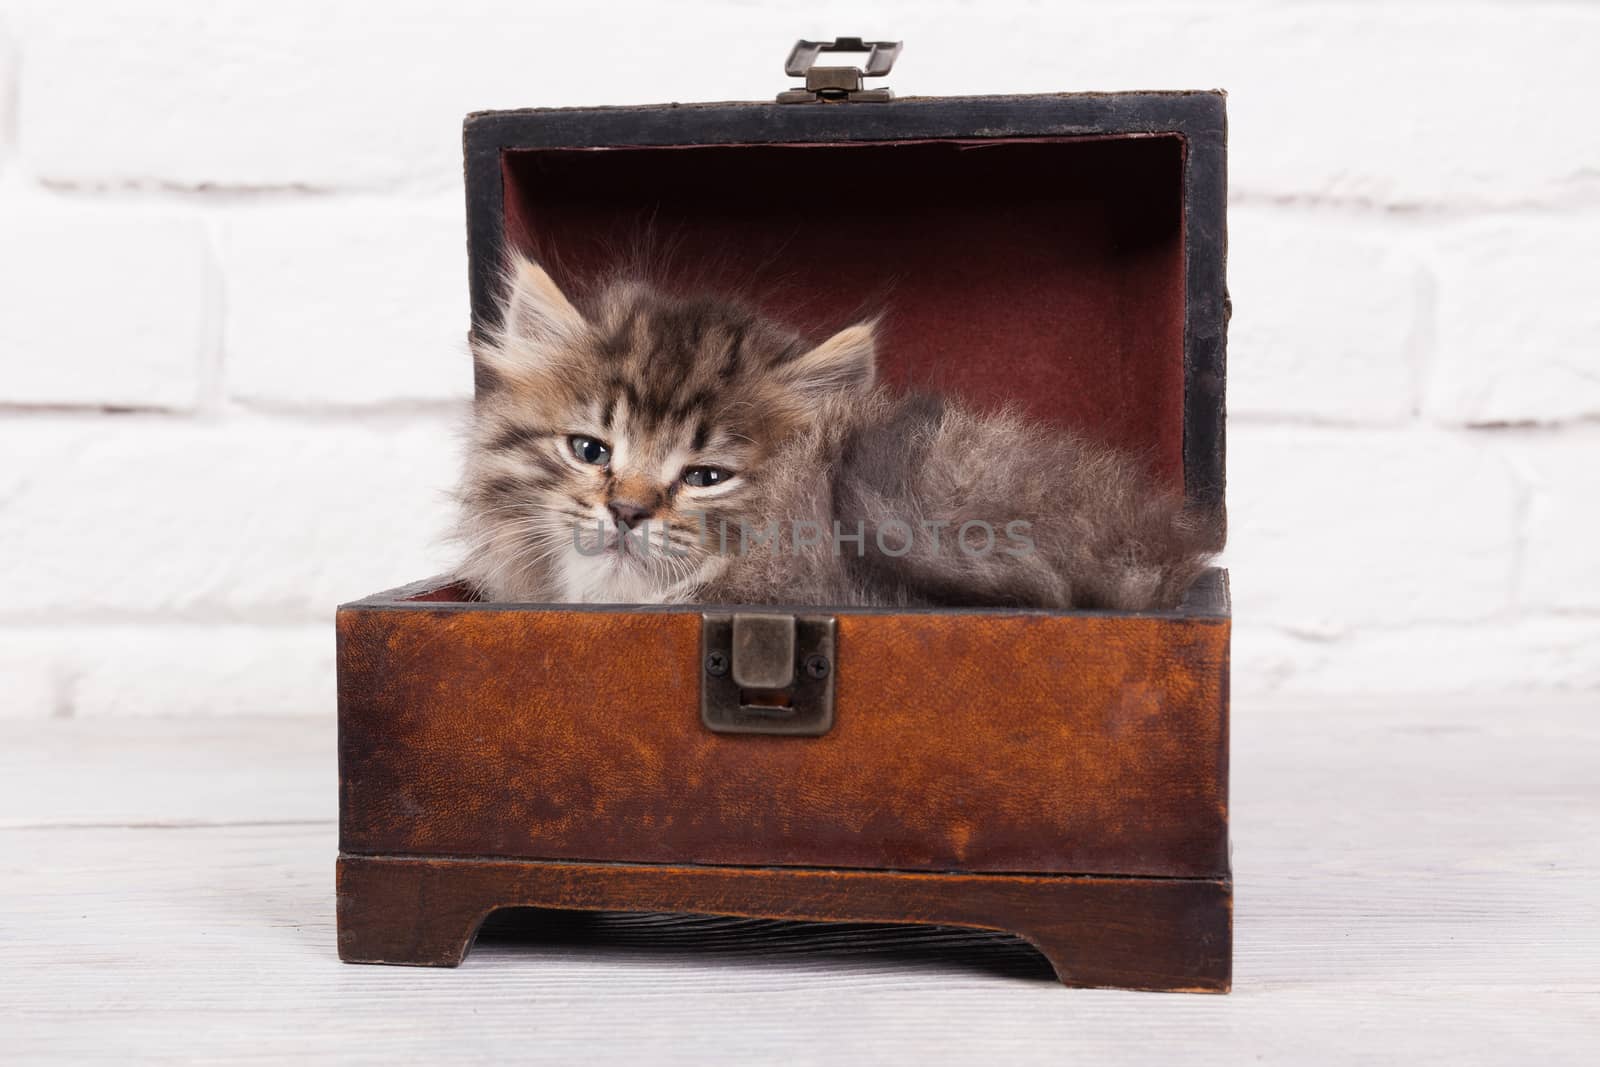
(702, 477)
(589, 450)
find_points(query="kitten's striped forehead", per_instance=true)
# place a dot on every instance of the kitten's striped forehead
(673, 363)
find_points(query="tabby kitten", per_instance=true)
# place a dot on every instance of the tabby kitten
(652, 448)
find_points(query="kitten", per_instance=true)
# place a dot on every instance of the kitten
(653, 448)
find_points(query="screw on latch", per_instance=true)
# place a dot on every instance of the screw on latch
(717, 664)
(817, 666)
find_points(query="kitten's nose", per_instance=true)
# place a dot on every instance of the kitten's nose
(627, 514)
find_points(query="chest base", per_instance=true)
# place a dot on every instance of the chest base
(1164, 934)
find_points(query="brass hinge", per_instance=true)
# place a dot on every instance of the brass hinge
(839, 84)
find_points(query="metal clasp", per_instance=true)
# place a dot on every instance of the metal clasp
(839, 84)
(767, 673)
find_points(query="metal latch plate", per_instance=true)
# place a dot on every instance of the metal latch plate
(767, 673)
(837, 84)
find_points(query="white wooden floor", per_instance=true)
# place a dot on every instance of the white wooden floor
(1415, 884)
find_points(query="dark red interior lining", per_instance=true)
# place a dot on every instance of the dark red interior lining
(454, 593)
(1046, 273)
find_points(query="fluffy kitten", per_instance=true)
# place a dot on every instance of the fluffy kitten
(653, 448)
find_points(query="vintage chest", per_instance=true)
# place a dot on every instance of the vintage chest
(1061, 776)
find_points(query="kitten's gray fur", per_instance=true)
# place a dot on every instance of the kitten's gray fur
(668, 384)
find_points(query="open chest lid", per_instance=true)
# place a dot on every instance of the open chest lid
(1063, 253)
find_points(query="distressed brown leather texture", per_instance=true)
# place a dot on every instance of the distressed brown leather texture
(982, 742)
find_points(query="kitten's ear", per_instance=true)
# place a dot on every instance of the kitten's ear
(847, 361)
(536, 308)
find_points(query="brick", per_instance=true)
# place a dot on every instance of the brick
(167, 669)
(35, 677)
(334, 303)
(1326, 319)
(1333, 530)
(8, 75)
(1447, 104)
(1518, 325)
(103, 307)
(1512, 656)
(1560, 561)
(252, 519)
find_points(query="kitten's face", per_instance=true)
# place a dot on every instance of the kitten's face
(609, 449)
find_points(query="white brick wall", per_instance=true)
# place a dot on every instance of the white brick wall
(1519, 322)
(1381, 528)
(232, 299)
(1343, 319)
(239, 518)
(1560, 560)
(105, 306)
(290, 268)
